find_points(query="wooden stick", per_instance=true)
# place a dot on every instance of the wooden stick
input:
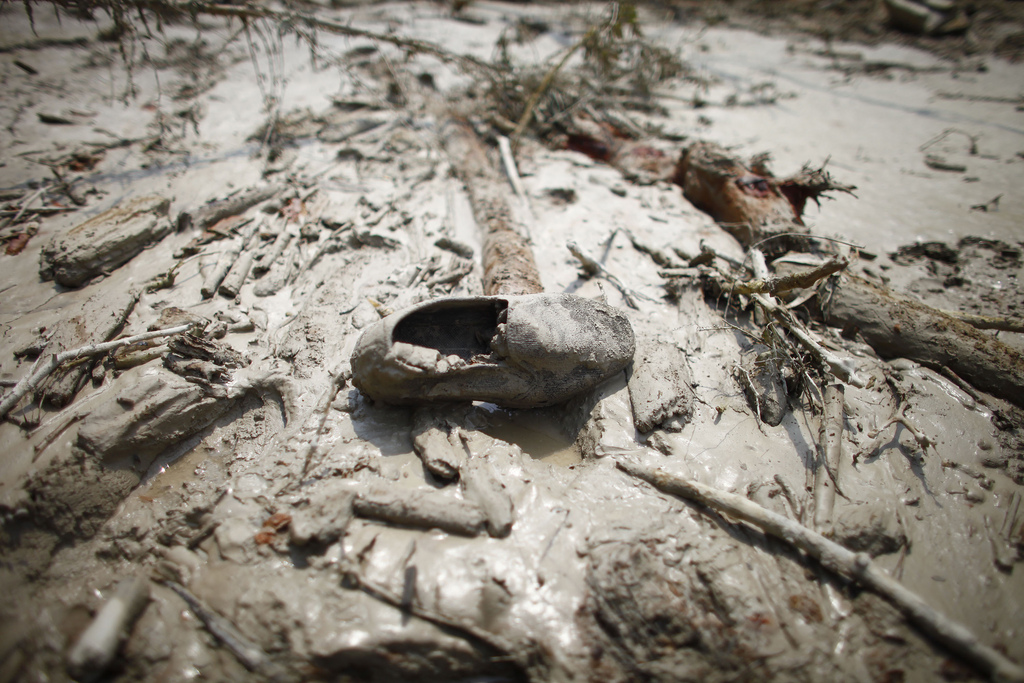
(830, 451)
(235, 277)
(209, 214)
(313, 21)
(96, 648)
(592, 267)
(508, 161)
(509, 267)
(41, 370)
(415, 508)
(836, 558)
(248, 653)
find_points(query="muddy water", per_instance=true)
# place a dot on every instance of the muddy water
(540, 437)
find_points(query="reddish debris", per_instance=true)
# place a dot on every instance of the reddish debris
(18, 243)
(277, 521)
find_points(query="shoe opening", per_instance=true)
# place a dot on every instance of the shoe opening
(462, 328)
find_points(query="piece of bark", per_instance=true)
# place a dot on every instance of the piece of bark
(95, 649)
(420, 509)
(106, 241)
(509, 267)
(898, 327)
(209, 214)
(99, 320)
(659, 383)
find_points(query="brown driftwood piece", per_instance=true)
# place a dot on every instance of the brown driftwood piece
(419, 509)
(509, 267)
(988, 322)
(204, 217)
(830, 452)
(750, 203)
(898, 327)
(779, 284)
(834, 557)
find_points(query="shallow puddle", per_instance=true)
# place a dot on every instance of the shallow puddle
(539, 438)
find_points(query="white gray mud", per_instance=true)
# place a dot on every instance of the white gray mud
(245, 489)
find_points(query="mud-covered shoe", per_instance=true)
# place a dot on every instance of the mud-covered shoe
(514, 351)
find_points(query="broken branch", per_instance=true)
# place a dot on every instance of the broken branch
(592, 267)
(41, 370)
(777, 285)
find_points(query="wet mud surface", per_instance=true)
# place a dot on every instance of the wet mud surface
(288, 527)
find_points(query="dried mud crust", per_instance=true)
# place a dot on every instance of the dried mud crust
(996, 27)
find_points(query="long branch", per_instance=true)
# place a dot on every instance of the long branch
(42, 369)
(856, 566)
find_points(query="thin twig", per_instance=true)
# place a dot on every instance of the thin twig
(42, 369)
(294, 18)
(843, 368)
(898, 417)
(836, 558)
(592, 267)
(248, 653)
(545, 83)
(777, 285)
